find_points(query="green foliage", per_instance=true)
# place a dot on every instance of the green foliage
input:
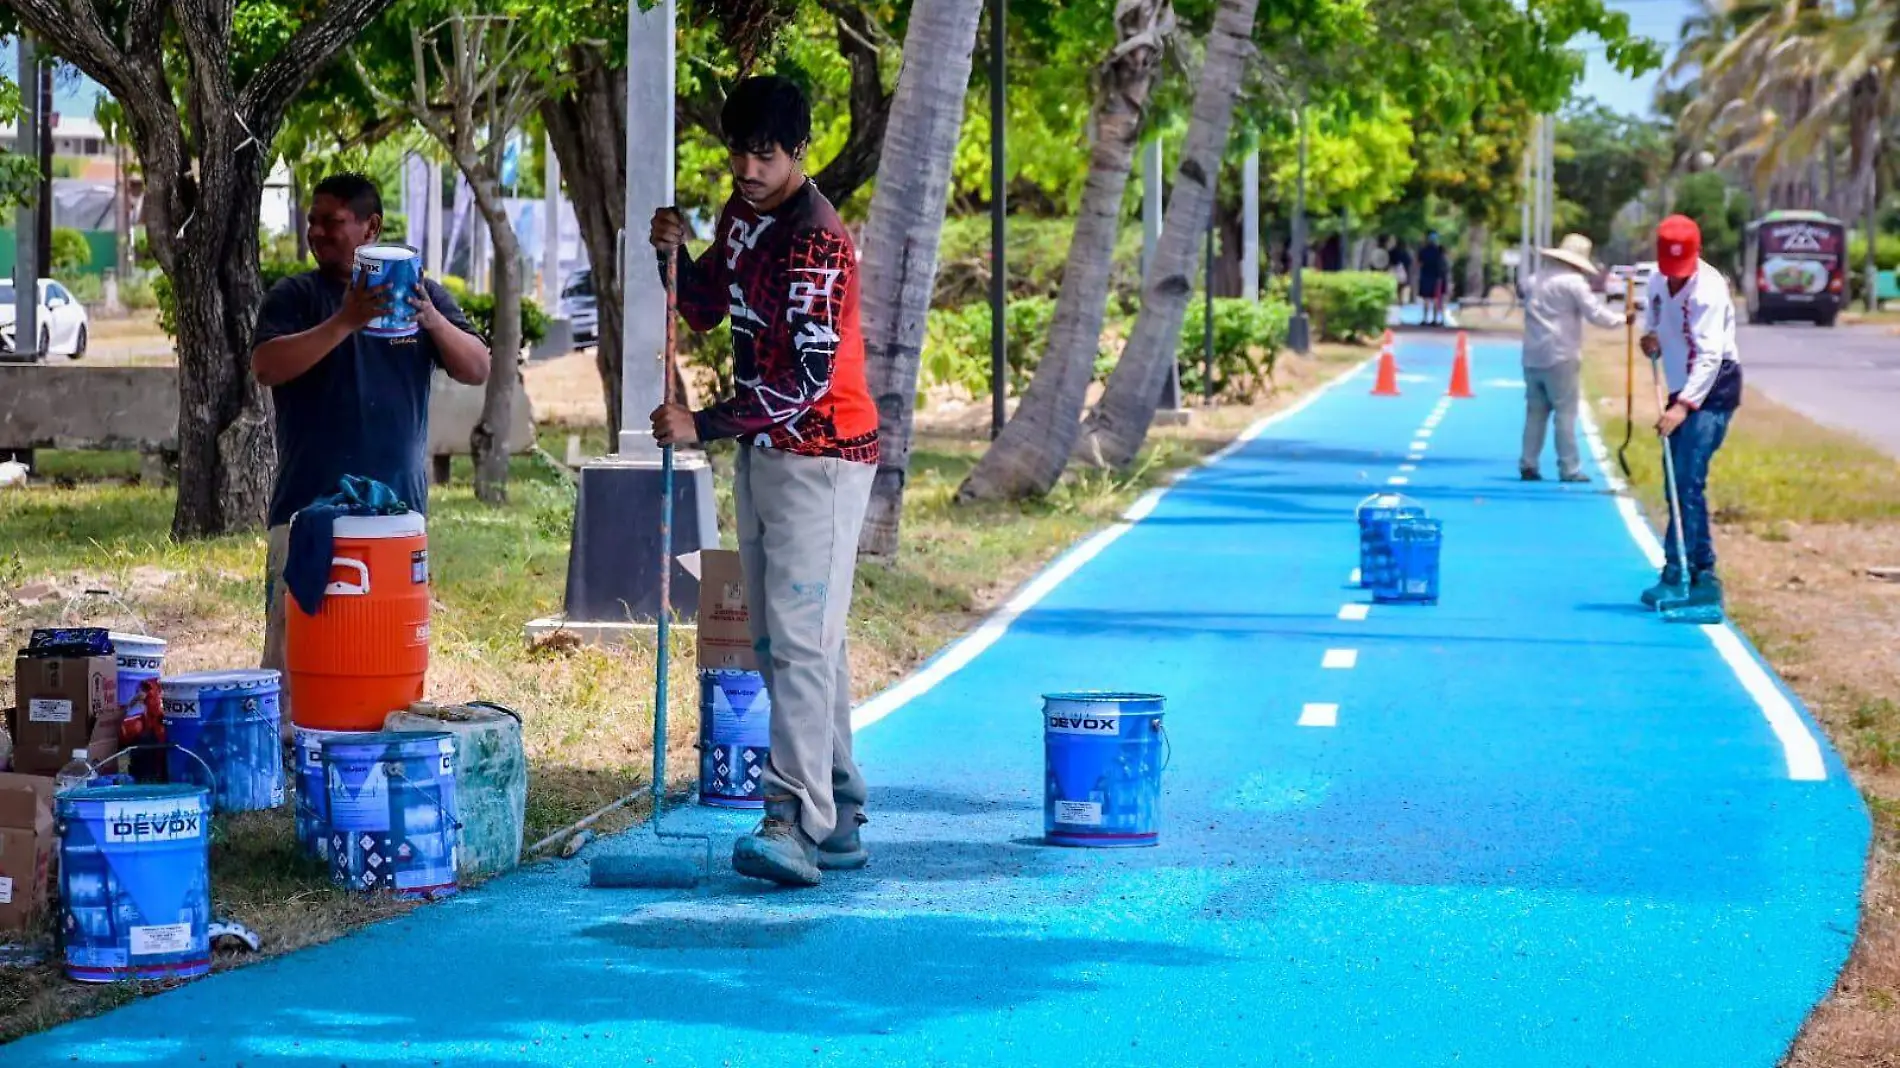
(87, 289)
(1605, 160)
(1036, 249)
(1248, 337)
(71, 253)
(711, 352)
(139, 293)
(1348, 305)
(1886, 252)
(957, 345)
(1722, 212)
(269, 273)
(480, 309)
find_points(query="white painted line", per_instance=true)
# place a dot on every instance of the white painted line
(1423, 434)
(1421, 445)
(1353, 579)
(1343, 659)
(1398, 480)
(965, 649)
(1353, 613)
(1408, 467)
(1319, 716)
(1420, 455)
(1799, 748)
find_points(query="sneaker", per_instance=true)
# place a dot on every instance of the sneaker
(1530, 474)
(1668, 586)
(1575, 476)
(1706, 589)
(844, 850)
(779, 851)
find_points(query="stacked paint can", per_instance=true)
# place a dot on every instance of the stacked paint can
(229, 720)
(141, 662)
(313, 802)
(1103, 757)
(365, 653)
(1376, 515)
(135, 882)
(735, 738)
(1411, 576)
(491, 779)
(390, 799)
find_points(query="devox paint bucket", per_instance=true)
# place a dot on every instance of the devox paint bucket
(400, 268)
(1412, 576)
(313, 801)
(1103, 757)
(135, 882)
(391, 797)
(735, 738)
(1376, 514)
(229, 719)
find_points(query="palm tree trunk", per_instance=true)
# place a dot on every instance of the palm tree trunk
(899, 264)
(1029, 455)
(1115, 431)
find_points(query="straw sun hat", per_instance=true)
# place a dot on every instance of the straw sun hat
(1573, 251)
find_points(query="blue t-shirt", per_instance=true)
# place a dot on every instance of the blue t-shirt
(361, 410)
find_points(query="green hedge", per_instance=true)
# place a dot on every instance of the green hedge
(1348, 305)
(1886, 252)
(1247, 338)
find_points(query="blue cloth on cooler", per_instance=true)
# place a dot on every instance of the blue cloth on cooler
(307, 565)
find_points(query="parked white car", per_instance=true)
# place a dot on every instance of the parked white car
(63, 321)
(1623, 274)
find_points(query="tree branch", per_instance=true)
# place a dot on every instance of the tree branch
(268, 94)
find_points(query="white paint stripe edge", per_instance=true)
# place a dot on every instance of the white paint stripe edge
(987, 633)
(1340, 659)
(1799, 747)
(1317, 715)
(1354, 613)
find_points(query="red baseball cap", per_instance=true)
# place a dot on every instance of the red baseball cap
(1678, 246)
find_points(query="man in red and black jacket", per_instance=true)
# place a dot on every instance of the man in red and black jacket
(783, 269)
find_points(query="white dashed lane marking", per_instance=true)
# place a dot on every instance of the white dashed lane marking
(1317, 715)
(1340, 659)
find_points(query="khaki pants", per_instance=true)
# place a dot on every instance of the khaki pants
(1551, 391)
(275, 611)
(798, 519)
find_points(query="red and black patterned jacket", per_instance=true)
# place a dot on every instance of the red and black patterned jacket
(789, 281)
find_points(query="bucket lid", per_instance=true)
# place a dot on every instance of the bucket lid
(136, 792)
(386, 252)
(371, 527)
(240, 678)
(1135, 701)
(385, 739)
(136, 644)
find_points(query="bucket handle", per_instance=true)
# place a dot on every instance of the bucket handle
(212, 776)
(66, 613)
(1167, 743)
(345, 589)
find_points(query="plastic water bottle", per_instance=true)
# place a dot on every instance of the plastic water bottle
(76, 774)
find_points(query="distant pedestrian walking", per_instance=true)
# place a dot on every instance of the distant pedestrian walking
(1433, 276)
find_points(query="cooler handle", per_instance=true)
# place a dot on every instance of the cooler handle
(345, 589)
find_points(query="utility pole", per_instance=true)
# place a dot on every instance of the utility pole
(46, 118)
(999, 222)
(1298, 330)
(1250, 226)
(26, 260)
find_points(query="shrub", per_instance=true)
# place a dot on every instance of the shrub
(1037, 250)
(1348, 305)
(138, 293)
(71, 253)
(1248, 337)
(87, 289)
(480, 309)
(957, 345)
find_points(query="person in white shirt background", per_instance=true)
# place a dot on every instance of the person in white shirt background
(1690, 319)
(1560, 302)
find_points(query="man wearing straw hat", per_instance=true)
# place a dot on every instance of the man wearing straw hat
(1560, 302)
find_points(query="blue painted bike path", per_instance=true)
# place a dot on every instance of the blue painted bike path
(1543, 827)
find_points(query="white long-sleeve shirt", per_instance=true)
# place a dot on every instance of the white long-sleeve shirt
(1560, 303)
(1696, 329)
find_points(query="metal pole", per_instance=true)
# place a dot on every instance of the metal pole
(551, 229)
(46, 117)
(999, 223)
(1297, 330)
(1524, 227)
(1250, 226)
(26, 266)
(1207, 317)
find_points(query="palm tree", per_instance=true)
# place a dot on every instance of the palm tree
(899, 262)
(1115, 430)
(1029, 455)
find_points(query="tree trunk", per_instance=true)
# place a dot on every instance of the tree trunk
(1477, 244)
(1029, 455)
(1119, 424)
(588, 125)
(898, 269)
(1864, 122)
(856, 162)
(489, 440)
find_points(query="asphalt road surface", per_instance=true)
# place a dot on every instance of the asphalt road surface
(1847, 377)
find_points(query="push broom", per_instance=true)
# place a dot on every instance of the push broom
(668, 866)
(1675, 607)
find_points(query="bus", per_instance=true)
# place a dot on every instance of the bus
(1794, 266)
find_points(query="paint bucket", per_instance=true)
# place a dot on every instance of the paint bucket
(1412, 577)
(400, 268)
(735, 738)
(491, 779)
(229, 719)
(141, 660)
(1104, 754)
(1376, 514)
(135, 882)
(313, 805)
(391, 798)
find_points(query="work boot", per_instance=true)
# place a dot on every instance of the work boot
(779, 851)
(1667, 587)
(1530, 474)
(844, 850)
(1574, 476)
(1705, 590)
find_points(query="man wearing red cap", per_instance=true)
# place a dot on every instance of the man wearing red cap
(1691, 327)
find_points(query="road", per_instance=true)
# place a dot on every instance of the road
(1531, 825)
(1847, 378)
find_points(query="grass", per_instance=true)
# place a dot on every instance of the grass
(1801, 511)
(587, 711)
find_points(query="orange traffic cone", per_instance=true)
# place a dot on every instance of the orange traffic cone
(1461, 369)
(1388, 383)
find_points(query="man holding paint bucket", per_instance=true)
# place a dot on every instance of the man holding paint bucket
(1691, 328)
(350, 400)
(784, 268)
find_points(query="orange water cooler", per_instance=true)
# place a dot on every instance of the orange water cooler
(365, 653)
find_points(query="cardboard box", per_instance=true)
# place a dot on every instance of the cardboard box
(63, 703)
(26, 848)
(725, 625)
